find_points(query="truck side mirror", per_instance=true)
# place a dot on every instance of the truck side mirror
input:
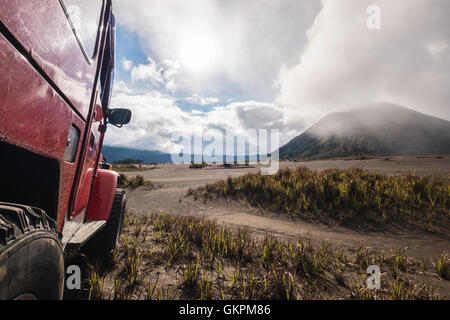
(119, 117)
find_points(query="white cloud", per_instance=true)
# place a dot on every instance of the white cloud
(345, 64)
(240, 116)
(122, 87)
(308, 57)
(157, 116)
(438, 48)
(197, 112)
(127, 64)
(145, 72)
(222, 46)
(158, 74)
(200, 100)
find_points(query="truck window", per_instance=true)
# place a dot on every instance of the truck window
(84, 16)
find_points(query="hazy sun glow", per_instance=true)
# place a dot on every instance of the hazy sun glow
(198, 51)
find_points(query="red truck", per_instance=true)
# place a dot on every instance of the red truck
(57, 193)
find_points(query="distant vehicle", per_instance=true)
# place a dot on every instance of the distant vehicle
(57, 194)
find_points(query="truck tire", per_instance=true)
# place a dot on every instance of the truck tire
(102, 244)
(31, 254)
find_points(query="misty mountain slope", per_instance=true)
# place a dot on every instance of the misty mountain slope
(118, 153)
(380, 129)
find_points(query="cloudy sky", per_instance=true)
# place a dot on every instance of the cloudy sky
(284, 64)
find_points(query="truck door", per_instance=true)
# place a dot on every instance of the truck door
(101, 105)
(85, 17)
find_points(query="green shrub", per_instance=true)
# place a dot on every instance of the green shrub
(340, 194)
(198, 165)
(134, 182)
(443, 266)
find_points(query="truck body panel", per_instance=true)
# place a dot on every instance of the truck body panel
(48, 87)
(42, 28)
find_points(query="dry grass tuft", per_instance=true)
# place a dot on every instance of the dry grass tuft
(173, 257)
(341, 195)
(134, 182)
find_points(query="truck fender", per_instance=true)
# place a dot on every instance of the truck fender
(102, 196)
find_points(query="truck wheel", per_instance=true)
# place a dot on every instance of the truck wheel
(105, 241)
(31, 254)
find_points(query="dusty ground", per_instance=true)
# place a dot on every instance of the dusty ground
(175, 180)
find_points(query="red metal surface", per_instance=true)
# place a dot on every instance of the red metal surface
(88, 169)
(42, 28)
(102, 197)
(33, 116)
(89, 159)
(37, 107)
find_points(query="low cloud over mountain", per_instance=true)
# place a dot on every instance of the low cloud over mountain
(380, 129)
